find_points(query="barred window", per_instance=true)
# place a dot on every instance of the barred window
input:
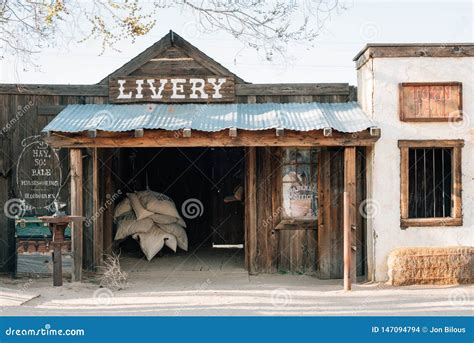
(431, 183)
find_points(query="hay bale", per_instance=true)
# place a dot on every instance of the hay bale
(434, 266)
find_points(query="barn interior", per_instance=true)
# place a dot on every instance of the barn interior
(206, 185)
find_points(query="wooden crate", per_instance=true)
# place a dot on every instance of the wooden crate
(34, 257)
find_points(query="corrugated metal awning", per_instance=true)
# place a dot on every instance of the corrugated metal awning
(343, 117)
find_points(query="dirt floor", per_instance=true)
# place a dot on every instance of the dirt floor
(200, 284)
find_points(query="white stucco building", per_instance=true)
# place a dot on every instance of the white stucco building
(381, 70)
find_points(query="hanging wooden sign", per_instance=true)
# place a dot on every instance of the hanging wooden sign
(172, 89)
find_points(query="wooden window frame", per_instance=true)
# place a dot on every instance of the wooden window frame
(405, 118)
(456, 188)
(288, 221)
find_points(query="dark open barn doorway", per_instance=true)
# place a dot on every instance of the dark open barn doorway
(206, 185)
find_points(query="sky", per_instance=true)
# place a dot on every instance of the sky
(329, 60)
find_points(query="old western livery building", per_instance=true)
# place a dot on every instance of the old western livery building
(372, 182)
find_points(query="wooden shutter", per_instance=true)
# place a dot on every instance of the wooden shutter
(431, 101)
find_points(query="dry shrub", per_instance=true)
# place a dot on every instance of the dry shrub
(112, 275)
(436, 266)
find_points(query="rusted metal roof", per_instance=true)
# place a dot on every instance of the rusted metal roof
(343, 117)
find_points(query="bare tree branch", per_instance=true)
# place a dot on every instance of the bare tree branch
(28, 26)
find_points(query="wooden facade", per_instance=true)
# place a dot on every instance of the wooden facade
(272, 244)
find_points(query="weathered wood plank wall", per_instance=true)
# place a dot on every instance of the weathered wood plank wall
(19, 119)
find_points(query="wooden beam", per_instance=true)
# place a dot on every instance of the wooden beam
(163, 138)
(42, 89)
(251, 209)
(413, 50)
(457, 183)
(292, 89)
(297, 225)
(425, 222)
(404, 183)
(347, 244)
(324, 215)
(97, 235)
(350, 212)
(49, 110)
(75, 156)
(438, 143)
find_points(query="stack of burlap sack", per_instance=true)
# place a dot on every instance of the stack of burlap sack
(152, 219)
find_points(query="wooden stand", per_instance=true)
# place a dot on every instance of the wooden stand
(58, 226)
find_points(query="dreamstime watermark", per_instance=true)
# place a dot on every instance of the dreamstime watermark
(459, 120)
(202, 286)
(192, 208)
(47, 330)
(459, 297)
(102, 120)
(369, 31)
(192, 30)
(103, 296)
(21, 111)
(369, 208)
(110, 199)
(281, 297)
(272, 217)
(14, 208)
(24, 288)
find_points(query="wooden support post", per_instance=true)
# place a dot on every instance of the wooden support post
(75, 156)
(58, 240)
(96, 211)
(347, 245)
(109, 191)
(324, 215)
(251, 209)
(404, 183)
(57, 265)
(457, 183)
(349, 217)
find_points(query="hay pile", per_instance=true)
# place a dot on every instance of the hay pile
(435, 266)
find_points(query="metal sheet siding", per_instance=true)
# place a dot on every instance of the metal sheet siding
(343, 117)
